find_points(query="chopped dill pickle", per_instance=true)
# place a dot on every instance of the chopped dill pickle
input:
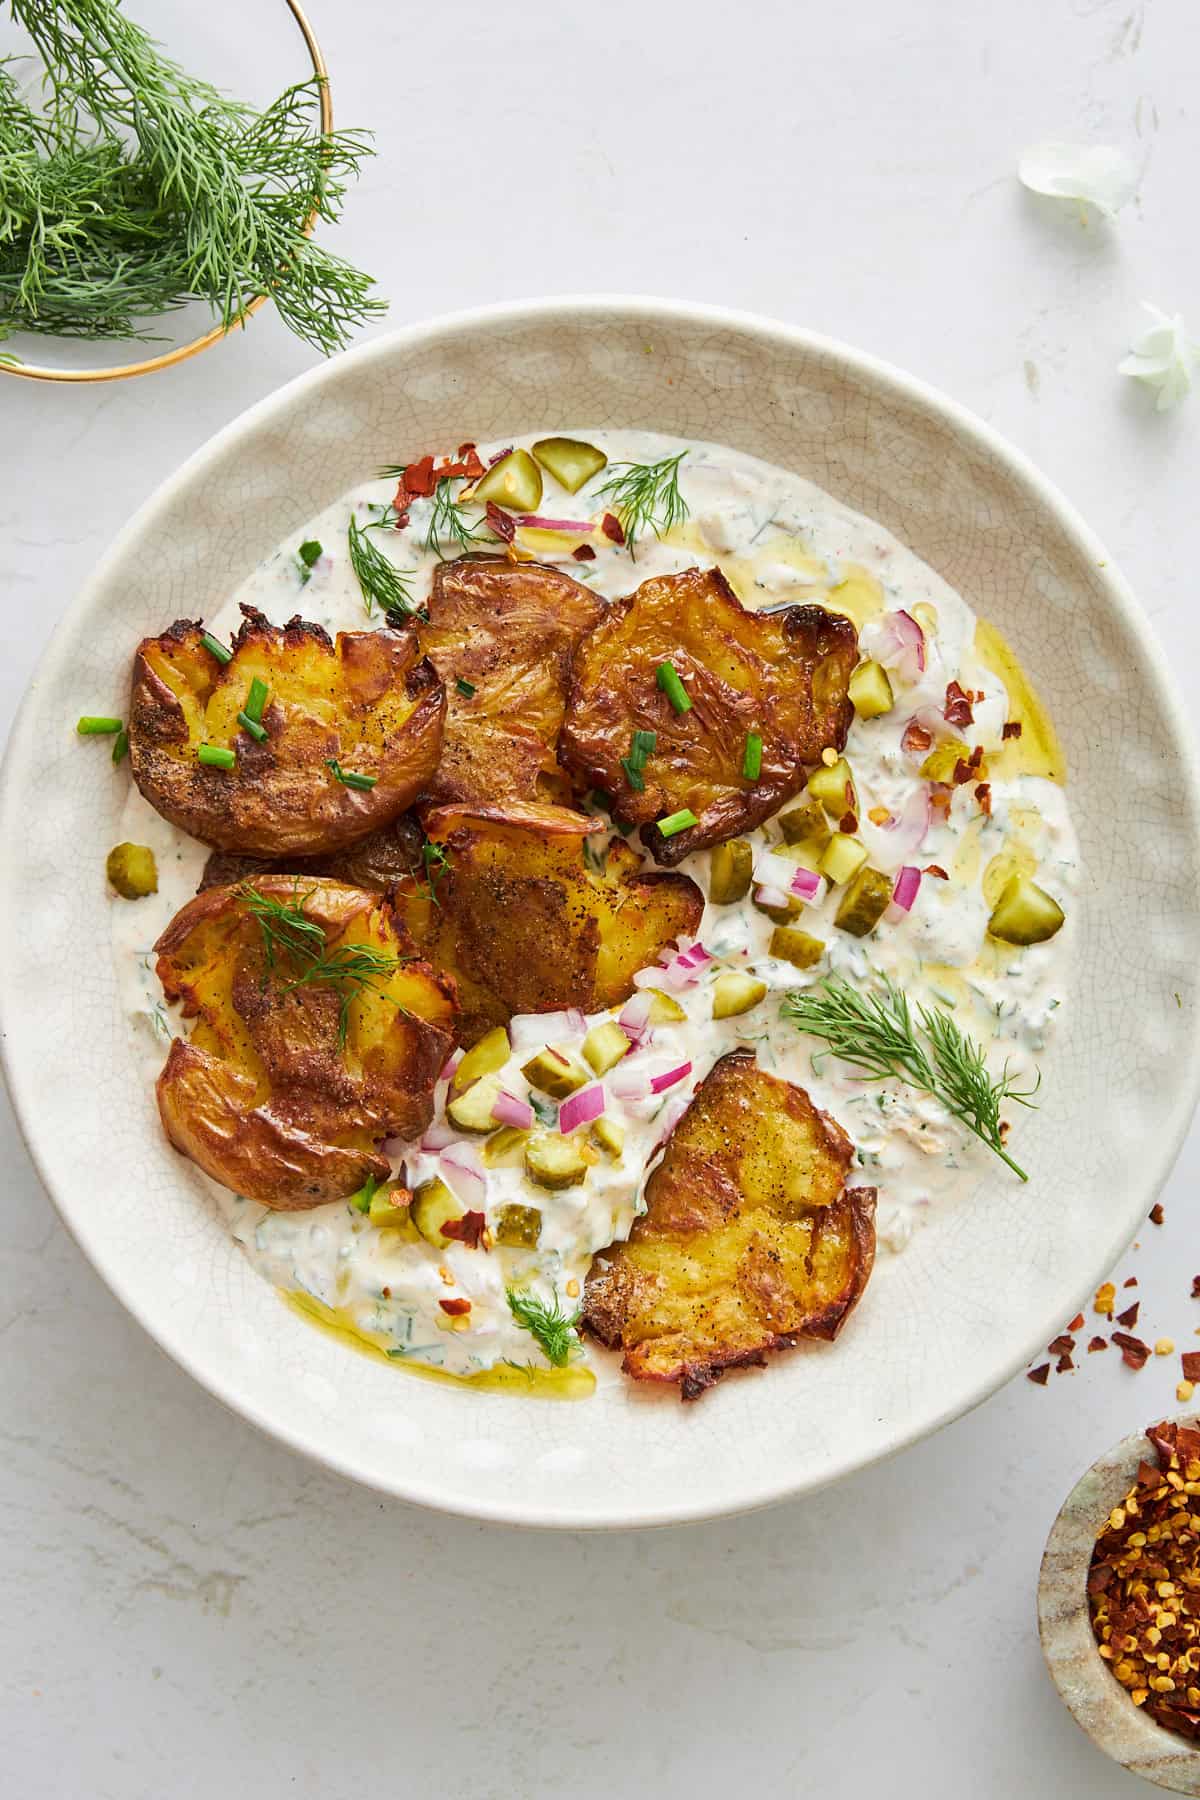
(843, 857)
(797, 947)
(489, 1054)
(834, 788)
(433, 1205)
(1025, 913)
(604, 1046)
(390, 1208)
(870, 691)
(503, 1143)
(664, 1010)
(608, 1135)
(472, 1111)
(554, 1073)
(730, 872)
(569, 460)
(941, 763)
(519, 1227)
(864, 902)
(808, 824)
(515, 482)
(735, 993)
(132, 871)
(555, 1162)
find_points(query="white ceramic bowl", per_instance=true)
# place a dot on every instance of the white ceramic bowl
(975, 1294)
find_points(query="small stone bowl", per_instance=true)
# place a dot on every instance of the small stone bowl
(1096, 1700)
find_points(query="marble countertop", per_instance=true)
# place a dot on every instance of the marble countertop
(190, 1610)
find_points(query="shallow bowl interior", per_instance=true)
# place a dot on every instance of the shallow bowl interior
(976, 1293)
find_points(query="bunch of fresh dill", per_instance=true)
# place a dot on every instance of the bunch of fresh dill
(136, 187)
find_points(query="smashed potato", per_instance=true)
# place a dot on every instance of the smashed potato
(376, 861)
(318, 1034)
(369, 704)
(528, 916)
(780, 675)
(750, 1239)
(506, 630)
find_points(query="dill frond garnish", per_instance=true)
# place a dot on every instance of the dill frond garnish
(435, 861)
(448, 523)
(876, 1032)
(140, 187)
(296, 952)
(553, 1329)
(646, 496)
(383, 585)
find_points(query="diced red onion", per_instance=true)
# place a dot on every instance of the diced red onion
(634, 1017)
(659, 1083)
(695, 956)
(900, 645)
(683, 969)
(808, 886)
(528, 1029)
(465, 1174)
(908, 882)
(581, 1108)
(772, 896)
(508, 1110)
(576, 1022)
(538, 523)
(437, 1136)
(773, 870)
(629, 1081)
(451, 1063)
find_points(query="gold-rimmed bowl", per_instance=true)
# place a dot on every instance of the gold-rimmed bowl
(178, 353)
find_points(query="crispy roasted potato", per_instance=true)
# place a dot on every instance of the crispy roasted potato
(376, 861)
(525, 924)
(782, 675)
(749, 1241)
(294, 1074)
(370, 702)
(506, 629)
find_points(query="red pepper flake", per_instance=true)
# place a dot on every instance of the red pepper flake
(1076, 1323)
(612, 528)
(1191, 1365)
(1156, 1213)
(1129, 1317)
(962, 772)
(937, 869)
(467, 1230)
(957, 710)
(1097, 1343)
(1012, 728)
(1132, 1282)
(939, 799)
(386, 1292)
(1133, 1352)
(983, 793)
(1062, 1345)
(848, 823)
(1041, 1374)
(584, 553)
(1063, 1364)
(916, 739)
(500, 523)
(456, 1308)
(419, 480)
(472, 463)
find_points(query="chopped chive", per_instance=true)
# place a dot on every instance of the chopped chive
(216, 648)
(348, 778)
(215, 756)
(752, 760)
(120, 749)
(96, 726)
(633, 775)
(677, 821)
(643, 744)
(257, 732)
(667, 676)
(465, 688)
(309, 552)
(256, 699)
(361, 1202)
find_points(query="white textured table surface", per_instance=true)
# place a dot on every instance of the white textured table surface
(187, 1609)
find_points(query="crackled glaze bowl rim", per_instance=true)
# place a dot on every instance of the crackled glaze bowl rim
(1086, 1686)
(785, 1472)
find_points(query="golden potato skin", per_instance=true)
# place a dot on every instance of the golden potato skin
(508, 629)
(262, 1095)
(369, 701)
(750, 1239)
(525, 925)
(376, 862)
(782, 674)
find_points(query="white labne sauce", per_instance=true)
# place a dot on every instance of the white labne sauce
(778, 539)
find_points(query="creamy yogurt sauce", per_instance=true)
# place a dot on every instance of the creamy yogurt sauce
(779, 539)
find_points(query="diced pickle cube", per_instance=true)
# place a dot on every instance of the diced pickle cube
(569, 460)
(472, 1111)
(941, 763)
(730, 872)
(604, 1046)
(664, 1010)
(554, 1073)
(864, 902)
(842, 857)
(870, 690)
(734, 992)
(797, 947)
(807, 824)
(608, 1135)
(503, 1143)
(433, 1205)
(519, 1227)
(1025, 913)
(555, 1162)
(779, 915)
(515, 482)
(834, 788)
(483, 1058)
(390, 1209)
(132, 871)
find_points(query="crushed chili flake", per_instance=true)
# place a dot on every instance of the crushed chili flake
(1131, 1282)
(612, 528)
(584, 553)
(1041, 1374)
(848, 823)
(1156, 1214)
(957, 710)
(471, 460)
(499, 522)
(1105, 1295)
(1129, 1317)
(1134, 1353)
(1190, 1361)
(1062, 1345)
(939, 799)
(937, 869)
(1063, 1364)
(1097, 1343)
(419, 480)
(455, 1308)
(467, 1230)
(983, 793)
(1144, 1579)
(915, 738)
(1076, 1323)
(1196, 1287)
(1012, 728)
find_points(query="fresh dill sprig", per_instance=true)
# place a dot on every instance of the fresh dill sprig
(383, 585)
(435, 861)
(876, 1032)
(140, 187)
(449, 523)
(646, 496)
(294, 947)
(553, 1329)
